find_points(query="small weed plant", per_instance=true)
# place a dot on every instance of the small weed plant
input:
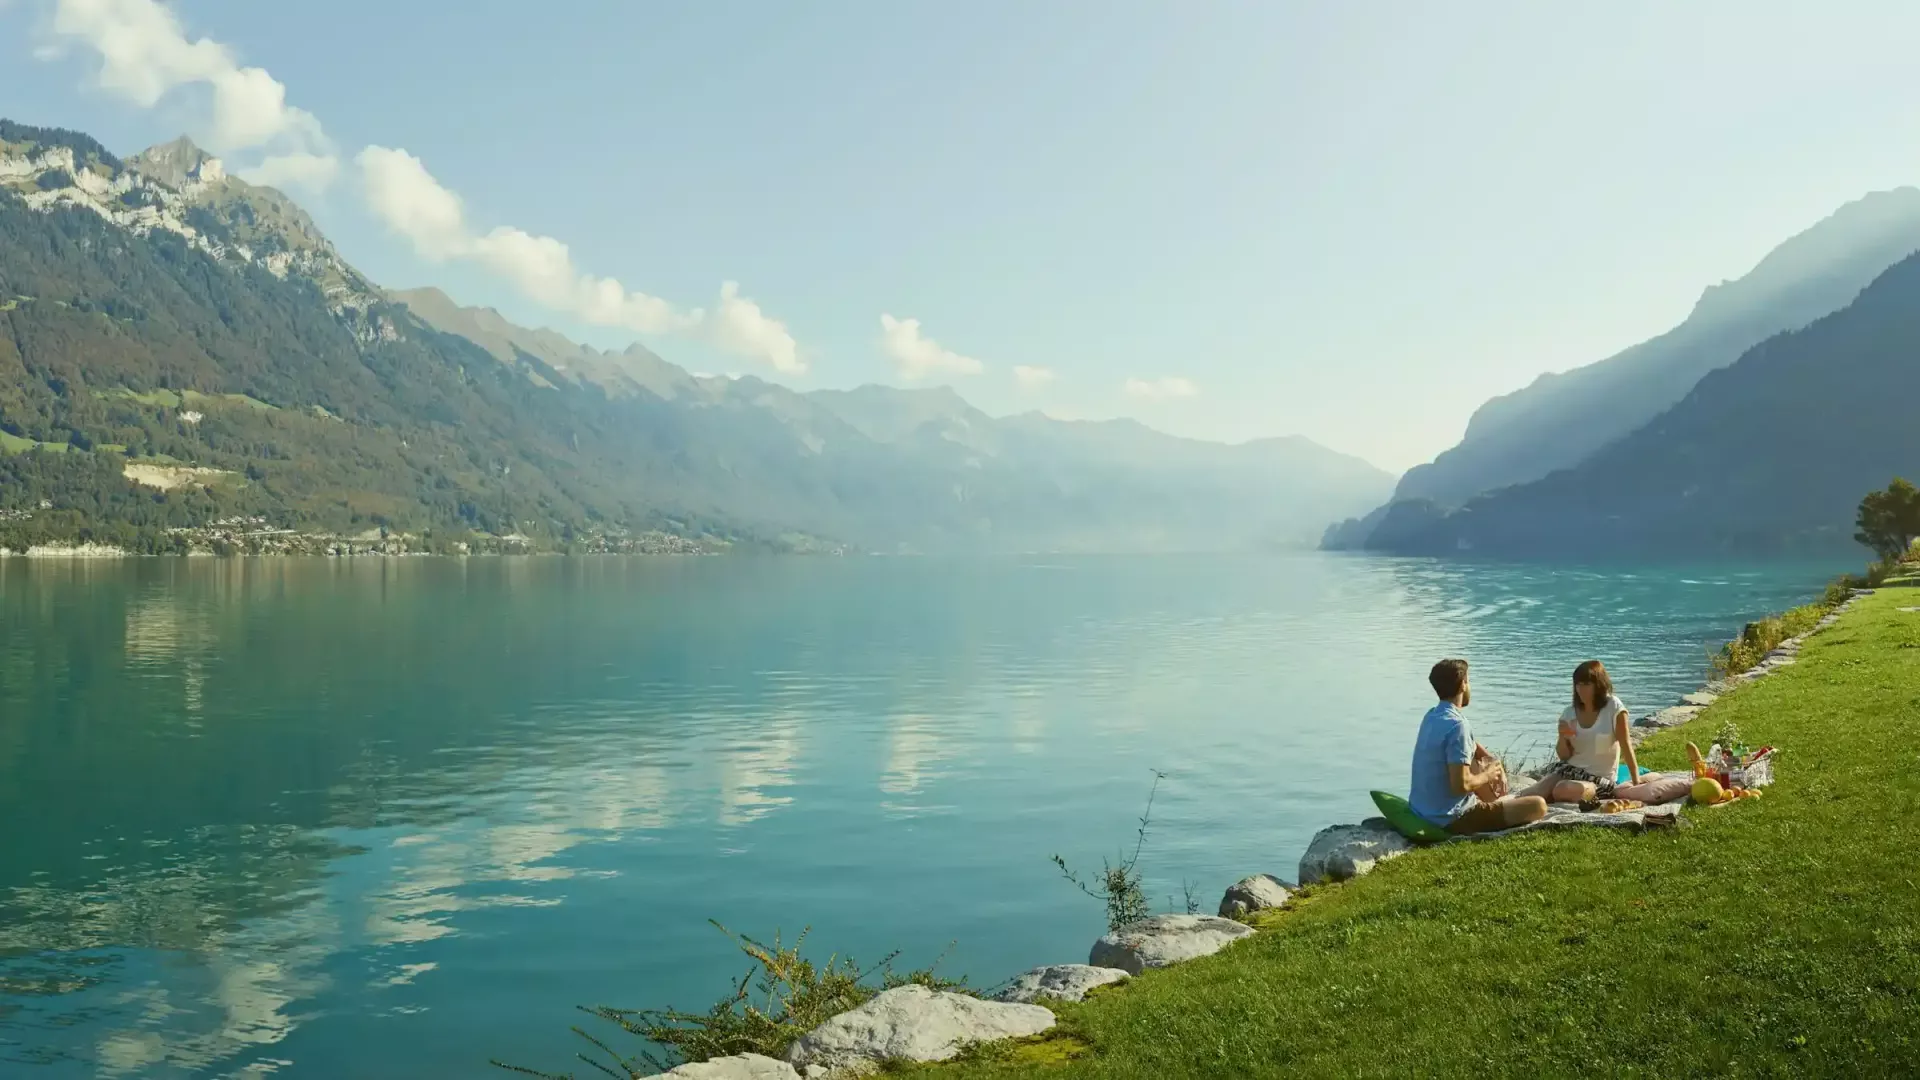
(782, 996)
(1118, 886)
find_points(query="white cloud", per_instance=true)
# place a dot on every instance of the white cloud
(294, 170)
(921, 357)
(411, 202)
(145, 54)
(1033, 378)
(739, 326)
(1159, 389)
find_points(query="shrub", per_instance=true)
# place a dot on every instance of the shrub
(1758, 639)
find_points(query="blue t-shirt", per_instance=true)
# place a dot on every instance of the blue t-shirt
(1444, 740)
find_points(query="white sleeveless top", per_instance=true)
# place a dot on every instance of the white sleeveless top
(1594, 748)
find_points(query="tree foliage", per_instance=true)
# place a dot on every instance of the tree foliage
(157, 351)
(1889, 519)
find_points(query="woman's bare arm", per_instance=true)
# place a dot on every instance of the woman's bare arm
(1624, 737)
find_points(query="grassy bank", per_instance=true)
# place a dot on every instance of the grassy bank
(1757, 639)
(1770, 937)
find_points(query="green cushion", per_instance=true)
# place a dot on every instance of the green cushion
(1399, 813)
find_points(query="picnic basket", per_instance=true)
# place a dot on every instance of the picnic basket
(1736, 770)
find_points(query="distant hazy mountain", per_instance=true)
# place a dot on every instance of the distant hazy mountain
(542, 352)
(1561, 419)
(163, 322)
(1026, 481)
(1769, 455)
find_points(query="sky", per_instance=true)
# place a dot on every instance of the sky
(1353, 222)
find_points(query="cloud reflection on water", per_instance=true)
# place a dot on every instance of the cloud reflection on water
(393, 758)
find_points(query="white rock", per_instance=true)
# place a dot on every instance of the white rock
(912, 1023)
(737, 1067)
(1256, 893)
(849, 1071)
(1164, 940)
(1670, 717)
(1340, 852)
(1701, 698)
(1066, 982)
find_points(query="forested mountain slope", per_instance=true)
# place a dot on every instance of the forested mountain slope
(177, 346)
(1561, 419)
(1768, 455)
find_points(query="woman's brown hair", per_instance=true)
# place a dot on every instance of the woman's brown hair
(1593, 671)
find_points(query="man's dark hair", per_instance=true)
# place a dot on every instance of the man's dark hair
(1447, 677)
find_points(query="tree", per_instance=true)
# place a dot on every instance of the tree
(1889, 520)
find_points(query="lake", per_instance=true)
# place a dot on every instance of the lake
(392, 818)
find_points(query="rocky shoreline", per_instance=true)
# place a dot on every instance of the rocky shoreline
(919, 1024)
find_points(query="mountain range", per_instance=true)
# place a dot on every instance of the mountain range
(1629, 424)
(1767, 456)
(183, 346)
(1065, 484)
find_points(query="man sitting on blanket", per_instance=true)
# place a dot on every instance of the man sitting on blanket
(1457, 785)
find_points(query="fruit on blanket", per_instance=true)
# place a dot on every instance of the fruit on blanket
(1707, 791)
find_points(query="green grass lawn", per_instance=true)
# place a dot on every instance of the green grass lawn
(170, 400)
(156, 398)
(1777, 936)
(14, 444)
(195, 397)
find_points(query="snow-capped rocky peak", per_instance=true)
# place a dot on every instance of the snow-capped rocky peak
(179, 188)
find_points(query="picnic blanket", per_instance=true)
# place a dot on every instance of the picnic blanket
(1570, 816)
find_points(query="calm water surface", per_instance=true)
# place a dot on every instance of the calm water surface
(393, 818)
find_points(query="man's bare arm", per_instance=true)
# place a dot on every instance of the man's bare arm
(1466, 778)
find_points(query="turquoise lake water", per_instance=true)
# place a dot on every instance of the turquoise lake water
(392, 818)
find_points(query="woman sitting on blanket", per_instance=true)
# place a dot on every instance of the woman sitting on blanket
(1593, 738)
